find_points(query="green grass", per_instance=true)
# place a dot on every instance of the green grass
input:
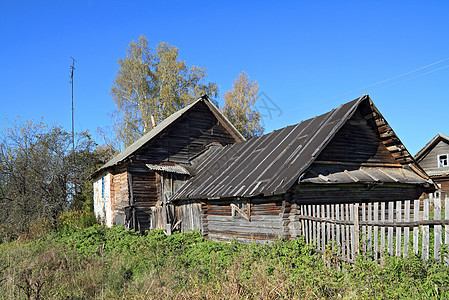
(112, 263)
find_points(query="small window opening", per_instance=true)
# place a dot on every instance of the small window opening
(102, 187)
(442, 161)
(241, 209)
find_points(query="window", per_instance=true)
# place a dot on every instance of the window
(442, 161)
(241, 209)
(172, 182)
(102, 187)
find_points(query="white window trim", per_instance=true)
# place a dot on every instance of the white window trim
(447, 160)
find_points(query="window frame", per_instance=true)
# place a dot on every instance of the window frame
(439, 160)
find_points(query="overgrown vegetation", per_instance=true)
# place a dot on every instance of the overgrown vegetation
(41, 176)
(79, 262)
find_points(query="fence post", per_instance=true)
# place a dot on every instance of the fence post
(406, 229)
(348, 229)
(390, 229)
(356, 228)
(416, 208)
(438, 239)
(382, 229)
(425, 236)
(376, 230)
(398, 229)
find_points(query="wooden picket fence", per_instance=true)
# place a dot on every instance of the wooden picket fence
(377, 229)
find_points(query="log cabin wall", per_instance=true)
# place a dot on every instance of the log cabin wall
(357, 142)
(119, 195)
(430, 161)
(256, 219)
(180, 143)
(183, 140)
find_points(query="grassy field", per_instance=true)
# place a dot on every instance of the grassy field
(112, 263)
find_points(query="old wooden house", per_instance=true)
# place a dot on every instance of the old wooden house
(434, 159)
(252, 191)
(132, 189)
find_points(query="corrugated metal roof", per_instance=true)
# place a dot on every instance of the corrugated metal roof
(169, 168)
(164, 124)
(272, 163)
(326, 174)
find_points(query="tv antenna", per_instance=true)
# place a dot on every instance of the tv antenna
(72, 68)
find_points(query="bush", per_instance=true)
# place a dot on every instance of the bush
(113, 263)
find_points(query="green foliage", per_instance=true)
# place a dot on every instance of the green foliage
(41, 176)
(114, 263)
(239, 106)
(153, 82)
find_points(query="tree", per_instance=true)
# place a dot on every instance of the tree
(38, 176)
(153, 82)
(239, 106)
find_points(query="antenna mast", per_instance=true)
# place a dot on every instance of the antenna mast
(72, 68)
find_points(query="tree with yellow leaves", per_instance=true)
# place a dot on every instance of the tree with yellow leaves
(239, 106)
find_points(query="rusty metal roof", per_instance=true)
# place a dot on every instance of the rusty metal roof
(272, 163)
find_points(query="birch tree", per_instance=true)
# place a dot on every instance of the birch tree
(239, 106)
(153, 82)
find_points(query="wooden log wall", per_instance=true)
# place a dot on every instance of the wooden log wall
(183, 140)
(190, 216)
(357, 142)
(119, 194)
(350, 193)
(267, 219)
(376, 229)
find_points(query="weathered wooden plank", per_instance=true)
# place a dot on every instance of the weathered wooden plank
(370, 229)
(406, 229)
(438, 238)
(343, 231)
(304, 231)
(314, 240)
(382, 229)
(318, 227)
(399, 229)
(309, 224)
(425, 236)
(323, 228)
(364, 232)
(416, 206)
(356, 227)
(328, 227)
(214, 227)
(332, 216)
(376, 231)
(348, 233)
(390, 229)
(338, 227)
(446, 217)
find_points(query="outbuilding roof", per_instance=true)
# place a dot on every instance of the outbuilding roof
(272, 163)
(167, 122)
(431, 144)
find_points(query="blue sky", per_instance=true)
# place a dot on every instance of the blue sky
(307, 56)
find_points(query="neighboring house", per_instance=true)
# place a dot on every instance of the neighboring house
(252, 191)
(434, 159)
(132, 189)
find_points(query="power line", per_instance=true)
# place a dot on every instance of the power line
(383, 81)
(395, 77)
